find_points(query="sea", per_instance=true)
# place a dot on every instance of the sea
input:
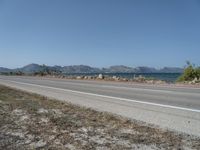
(168, 77)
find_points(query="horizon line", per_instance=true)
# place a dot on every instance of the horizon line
(93, 66)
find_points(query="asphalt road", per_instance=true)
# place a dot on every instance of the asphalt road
(166, 95)
(166, 106)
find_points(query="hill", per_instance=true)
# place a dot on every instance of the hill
(35, 68)
(4, 70)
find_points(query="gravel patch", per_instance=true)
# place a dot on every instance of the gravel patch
(30, 121)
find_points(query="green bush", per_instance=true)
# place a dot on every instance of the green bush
(190, 73)
(198, 72)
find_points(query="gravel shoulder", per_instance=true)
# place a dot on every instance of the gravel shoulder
(31, 121)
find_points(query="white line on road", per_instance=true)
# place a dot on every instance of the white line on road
(110, 97)
(141, 85)
(127, 88)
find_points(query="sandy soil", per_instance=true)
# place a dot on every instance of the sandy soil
(30, 121)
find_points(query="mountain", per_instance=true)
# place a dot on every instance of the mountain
(146, 70)
(4, 69)
(171, 70)
(118, 69)
(31, 68)
(80, 69)
(35, 68)
(125, 69)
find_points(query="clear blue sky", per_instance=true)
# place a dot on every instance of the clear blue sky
(99, 33)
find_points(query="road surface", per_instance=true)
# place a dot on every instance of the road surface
(176, 108)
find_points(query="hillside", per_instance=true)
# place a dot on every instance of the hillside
(4, 69)
(34, 68)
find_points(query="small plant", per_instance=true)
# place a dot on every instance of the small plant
(190, 73)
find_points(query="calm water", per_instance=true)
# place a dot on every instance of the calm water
(169, 77)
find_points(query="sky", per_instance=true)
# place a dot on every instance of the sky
(99, 33)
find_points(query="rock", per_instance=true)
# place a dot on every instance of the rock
(140, 78)
(124, 79)
(42, 110)
(79, 77)
(39, 144)
(150, 81)
(190, 82)
(195, 81)
(115, 78)
(100, 76)
(90, 77)
(159, 82)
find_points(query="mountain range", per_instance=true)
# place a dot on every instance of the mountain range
(33, 68)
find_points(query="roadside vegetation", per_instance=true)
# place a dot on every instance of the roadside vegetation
(30, 121)
(47, 71)
(14, 73)
(191, 74)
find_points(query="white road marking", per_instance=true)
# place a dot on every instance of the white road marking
(110, 97)
(128, 88)
(117, 87)
(162, 86)
(129, 83)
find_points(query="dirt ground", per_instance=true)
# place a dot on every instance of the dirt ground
(30, 121)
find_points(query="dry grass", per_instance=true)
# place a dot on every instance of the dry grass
(30, 121)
